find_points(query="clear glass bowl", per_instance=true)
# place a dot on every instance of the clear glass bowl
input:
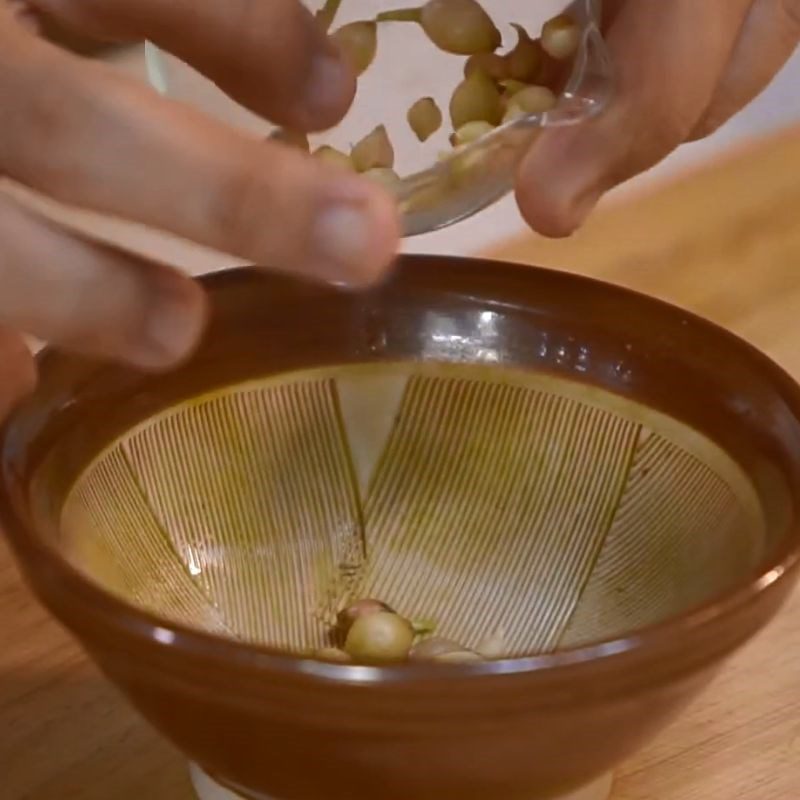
(435, 190)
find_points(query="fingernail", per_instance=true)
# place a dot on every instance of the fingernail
(342, 239)
(328, 87)
(172, 328)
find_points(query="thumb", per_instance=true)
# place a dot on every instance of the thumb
(669, 58)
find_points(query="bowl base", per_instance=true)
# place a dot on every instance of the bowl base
(208, 789)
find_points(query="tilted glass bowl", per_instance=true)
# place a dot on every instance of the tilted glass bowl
(434, 191)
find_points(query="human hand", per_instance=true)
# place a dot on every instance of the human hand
(80, 133)
(18, 376)
(684, 68)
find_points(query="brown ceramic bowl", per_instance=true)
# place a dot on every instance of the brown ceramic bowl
(610, 480)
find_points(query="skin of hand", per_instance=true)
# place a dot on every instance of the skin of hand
(78, 132)
(683, 68)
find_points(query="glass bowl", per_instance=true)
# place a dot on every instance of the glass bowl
(440, 185)
(609, 481)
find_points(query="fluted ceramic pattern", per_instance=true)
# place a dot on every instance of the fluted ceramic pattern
(483, 500)
(490, 505)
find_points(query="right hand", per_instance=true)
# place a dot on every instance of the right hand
(683, 68)
(79, 133)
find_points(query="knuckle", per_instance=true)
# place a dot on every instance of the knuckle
(654, 141)
(285, 58)
(44, 108)
(91, 17)
(236, 213)
(261, 209)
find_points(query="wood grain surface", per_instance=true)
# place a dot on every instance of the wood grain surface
(725, 243)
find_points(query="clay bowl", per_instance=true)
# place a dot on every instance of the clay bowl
(610, 480)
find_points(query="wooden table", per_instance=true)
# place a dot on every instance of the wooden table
(725, 243)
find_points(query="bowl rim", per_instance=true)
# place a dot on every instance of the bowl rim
(103, 609)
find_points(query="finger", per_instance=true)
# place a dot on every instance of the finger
(270, 55)
(81, 133)
(17, 371)
(669, 58)
(611, 10)
(21, 13)
(93, 298)
(770, 36)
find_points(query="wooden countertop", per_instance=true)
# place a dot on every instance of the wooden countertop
(725, 243)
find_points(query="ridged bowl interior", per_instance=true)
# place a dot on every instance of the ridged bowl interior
(485, 498)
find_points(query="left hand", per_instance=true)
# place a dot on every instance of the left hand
(77, 132)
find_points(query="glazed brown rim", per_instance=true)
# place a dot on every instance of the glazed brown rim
(79, 596)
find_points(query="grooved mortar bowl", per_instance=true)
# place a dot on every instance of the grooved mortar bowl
(609, 480)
